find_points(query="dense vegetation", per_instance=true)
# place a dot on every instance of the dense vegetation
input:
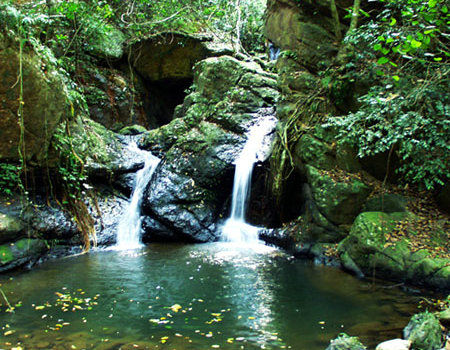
(403, 51)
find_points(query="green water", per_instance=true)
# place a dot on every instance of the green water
(194, 297)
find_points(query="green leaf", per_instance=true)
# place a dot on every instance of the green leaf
(377, 47)
(415, 44)
(396, 77)
(393, 22)
(432, 3)
(383, 60)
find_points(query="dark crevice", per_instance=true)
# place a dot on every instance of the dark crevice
(162, 97)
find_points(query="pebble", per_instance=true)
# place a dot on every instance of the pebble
(395, 344)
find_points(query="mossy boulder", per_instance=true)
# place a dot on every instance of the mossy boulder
(132, 130)
(16, 254)
(424, 331)
(338, 199)
(173, 55)
(104, 153)
(291, 26)
(367, 249)
(200, 145)
(346, 342)
(11, 228)
(106, 41)
(310, 150)
(45, 102)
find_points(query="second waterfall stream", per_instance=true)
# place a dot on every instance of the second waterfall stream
(236, 229)
(129, 229)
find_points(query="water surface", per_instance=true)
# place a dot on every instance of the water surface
(218, 295)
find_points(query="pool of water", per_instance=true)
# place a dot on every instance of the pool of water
(217, 295)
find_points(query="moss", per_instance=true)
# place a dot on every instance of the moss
(345, 342)
(424, 331)
(339, 200)
(6, 255)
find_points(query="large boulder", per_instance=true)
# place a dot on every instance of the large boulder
(304, 28)
(199, 147)
(19, 253)
(45, 102)
(115, 99)
(172, 55)
(367, 249)
(339, 199)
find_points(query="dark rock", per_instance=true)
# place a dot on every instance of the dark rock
(443, 198)
(116, 99)
(107, 210)
(198, 148)
(156, 232)
(184, 207)
(277, 237)
(424, 331)
(50, 222)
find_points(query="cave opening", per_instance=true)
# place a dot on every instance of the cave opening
(162, 97)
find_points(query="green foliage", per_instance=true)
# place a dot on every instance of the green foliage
(9, 178)
(411, 30)
(405, 50)
(412, 119)
(71, 166)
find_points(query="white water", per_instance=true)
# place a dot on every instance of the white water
(235, 228)
(129, 229)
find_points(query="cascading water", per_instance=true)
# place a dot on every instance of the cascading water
(129, 229)
(235, 228)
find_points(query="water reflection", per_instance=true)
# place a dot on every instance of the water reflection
(194, 297)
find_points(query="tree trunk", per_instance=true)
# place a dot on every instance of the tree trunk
(337, 24)
(355, 15)
(238, 26)
(345, 49)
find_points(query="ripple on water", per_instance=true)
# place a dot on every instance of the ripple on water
(195, 297)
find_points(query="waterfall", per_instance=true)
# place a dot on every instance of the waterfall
(129, 229)
(235, 228)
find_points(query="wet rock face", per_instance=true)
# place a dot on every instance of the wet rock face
(45, 102)
(115, 100)
(195, 177)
